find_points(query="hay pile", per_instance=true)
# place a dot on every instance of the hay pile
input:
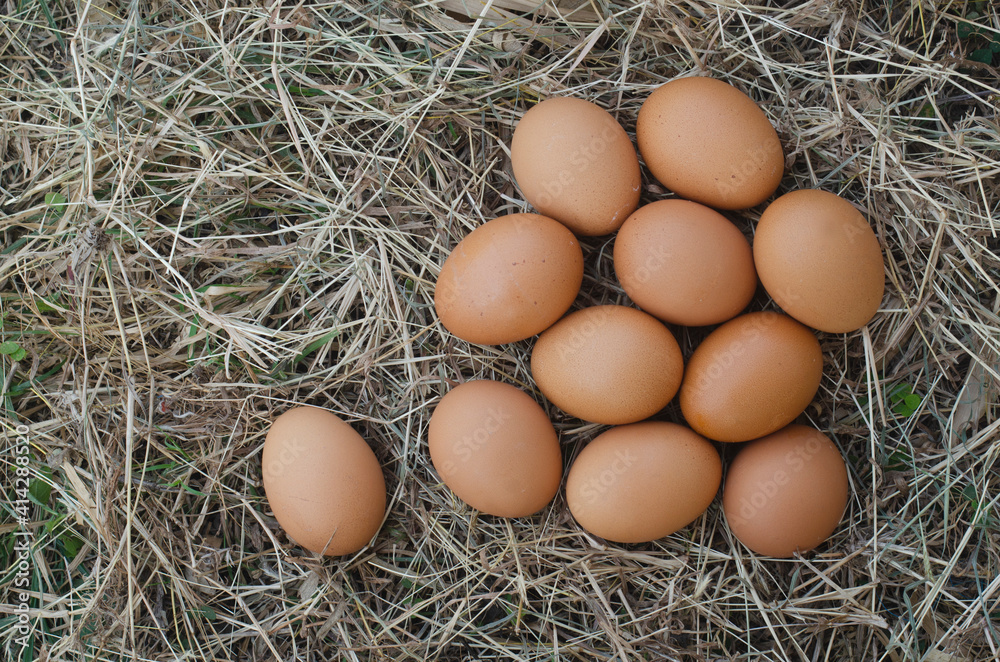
(211, 211)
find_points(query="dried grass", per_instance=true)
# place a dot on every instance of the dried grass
(211, 211)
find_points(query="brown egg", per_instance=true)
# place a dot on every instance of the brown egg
(608, 364)
(576, 164)
(820, 260)
(753, 375)
(509, 279)
(322, 481)
(493, 445)
(685, 263)
(707, 141)
(786, 492)
(644, 481)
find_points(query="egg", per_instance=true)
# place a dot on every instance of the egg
(684, 263)
(709, 142)
(786, 492)
(608, 364)
(509, 279)
(751, 376)
(820, 260)
(323, 482)
(575, 163)
(495, 448)
(636, 483)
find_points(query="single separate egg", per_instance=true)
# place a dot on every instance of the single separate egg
(820, 260)
(685, 263)
(640, 482)
(575, 163)
(707, 141)
(751, 376)
(608, 364)
(509, 279)
(787, 492)
(495, 448)
(323, 482)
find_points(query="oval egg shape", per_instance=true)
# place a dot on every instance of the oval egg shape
(575, 163)
(685, 263)
(751, 376)
(608, 364)
(495, 448)
(820, 260)
(709, 142)
(640, 482)
(323, 482)
(509, 279)
(787, 492)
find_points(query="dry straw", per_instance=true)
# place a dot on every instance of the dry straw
(210, 211)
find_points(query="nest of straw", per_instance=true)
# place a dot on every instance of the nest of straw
(210, 212)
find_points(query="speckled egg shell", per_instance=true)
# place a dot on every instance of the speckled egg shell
(787, 492)
(707, 141)
(753, 375)
(644, 481)
(495, 448)
(608, 364)
(685, 263)
(820, 261)
(575, 163)
(509, 279)
(323, 483)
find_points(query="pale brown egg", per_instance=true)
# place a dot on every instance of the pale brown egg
(753, 375)
(608, 364)
(323, 482)
(820, 260)
(707, 141)
(640, 482)
(787, 492)
(575, 163)
(685, 263)
(509, 279)
(495, 448)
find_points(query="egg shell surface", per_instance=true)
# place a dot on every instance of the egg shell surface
(608, 364)
(495, 448)
(640, 482)
(509, 279)
(820, 260)
(786, 492)
(709, 142)
(685, 263)
(575, 163)
(751, 376)
(323, 482)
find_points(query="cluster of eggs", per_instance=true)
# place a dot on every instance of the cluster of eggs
(683, 263)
